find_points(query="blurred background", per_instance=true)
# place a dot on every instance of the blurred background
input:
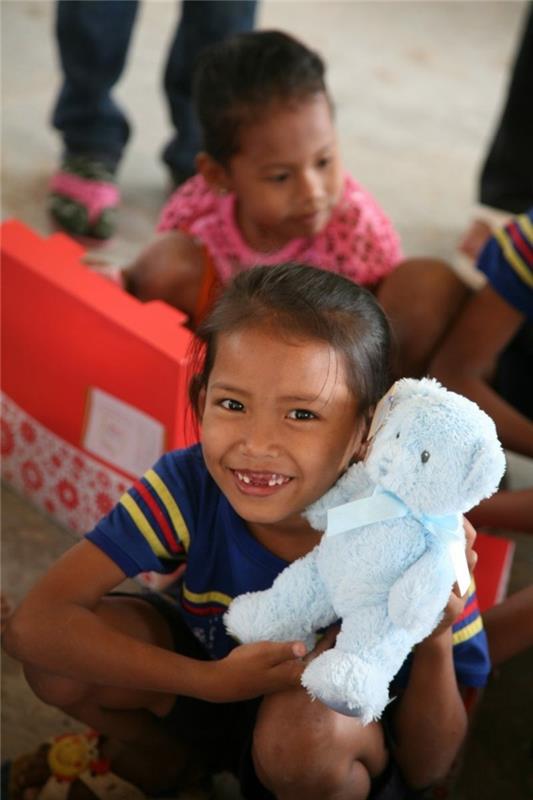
(418, 88)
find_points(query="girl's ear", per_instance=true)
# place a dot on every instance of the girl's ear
(360, 455)
(362, 443)
(201, 404)
(213, 173)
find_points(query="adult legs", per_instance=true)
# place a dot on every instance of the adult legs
(93, 38)
(201, 24)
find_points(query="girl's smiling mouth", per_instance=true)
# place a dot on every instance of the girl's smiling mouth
(259, 483)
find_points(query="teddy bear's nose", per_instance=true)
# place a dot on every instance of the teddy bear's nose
(424, 456)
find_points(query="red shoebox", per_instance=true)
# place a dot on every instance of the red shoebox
(495, 559)
(94, 382)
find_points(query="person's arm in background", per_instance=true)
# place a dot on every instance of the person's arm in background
(467, 356)
(509, 626)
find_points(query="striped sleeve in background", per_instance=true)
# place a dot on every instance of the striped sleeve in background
(470, 648)
(507, 261)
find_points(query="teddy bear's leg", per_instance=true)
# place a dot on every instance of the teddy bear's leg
(295, 606)
(340, 678)
(417, 599)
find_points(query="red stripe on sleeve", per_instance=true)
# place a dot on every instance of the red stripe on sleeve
(159, 516)
(521, 244)
(202, 611)
(470, 606)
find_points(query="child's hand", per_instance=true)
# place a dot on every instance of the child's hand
(252, 670)
(456, 603)
(326, 642)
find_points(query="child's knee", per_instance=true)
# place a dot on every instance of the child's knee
(146, 281)
(170, 269)
(419, 285)
(300, 745)
(55, 690)
(421, 298)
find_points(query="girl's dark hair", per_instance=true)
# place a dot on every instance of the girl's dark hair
(297, 301)
(237, 79)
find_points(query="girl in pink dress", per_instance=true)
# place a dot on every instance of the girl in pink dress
(271, 189)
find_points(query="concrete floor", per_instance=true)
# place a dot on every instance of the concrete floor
(418, 87)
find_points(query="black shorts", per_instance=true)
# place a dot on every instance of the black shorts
(223, 731)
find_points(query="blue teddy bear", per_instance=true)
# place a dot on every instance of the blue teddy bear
(393, 546)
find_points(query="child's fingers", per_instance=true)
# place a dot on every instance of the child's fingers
(471, 555)
(278, 652)
(470, 533)
(286, 665)
(326, 642)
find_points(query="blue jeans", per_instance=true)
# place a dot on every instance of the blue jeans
(93, 38)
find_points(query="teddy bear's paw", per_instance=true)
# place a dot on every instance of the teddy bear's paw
(253, 617)
(347, 684)
(241, 619)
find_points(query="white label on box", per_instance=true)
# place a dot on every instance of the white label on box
(121, 434)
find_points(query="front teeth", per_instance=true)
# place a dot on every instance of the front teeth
(275, 480)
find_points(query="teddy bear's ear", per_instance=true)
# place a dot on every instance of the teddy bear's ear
(485, 471)
(423, 387)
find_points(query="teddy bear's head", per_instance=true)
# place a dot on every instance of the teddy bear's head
(435, 449)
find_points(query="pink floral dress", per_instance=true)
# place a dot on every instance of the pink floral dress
(358, 242)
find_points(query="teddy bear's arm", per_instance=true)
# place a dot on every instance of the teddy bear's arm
(418, 597)
(355, 483)
(296, 605)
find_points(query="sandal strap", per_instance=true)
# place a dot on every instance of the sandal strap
(96, 196)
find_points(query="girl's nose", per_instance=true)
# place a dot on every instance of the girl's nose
(260, 441)
(311, 187)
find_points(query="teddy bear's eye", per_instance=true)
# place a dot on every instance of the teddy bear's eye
(398, 435)
(424, 456)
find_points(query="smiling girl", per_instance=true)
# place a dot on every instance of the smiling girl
(289, 366)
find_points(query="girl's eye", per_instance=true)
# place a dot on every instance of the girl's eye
(279, 178)
(301, 414)
(323, 162)
(231, 405)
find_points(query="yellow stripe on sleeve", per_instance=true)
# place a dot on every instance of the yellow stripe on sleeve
(207, 597)
(171, 506)
(525, 224)
(512, 256)
(468, 631)
(144, 526)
